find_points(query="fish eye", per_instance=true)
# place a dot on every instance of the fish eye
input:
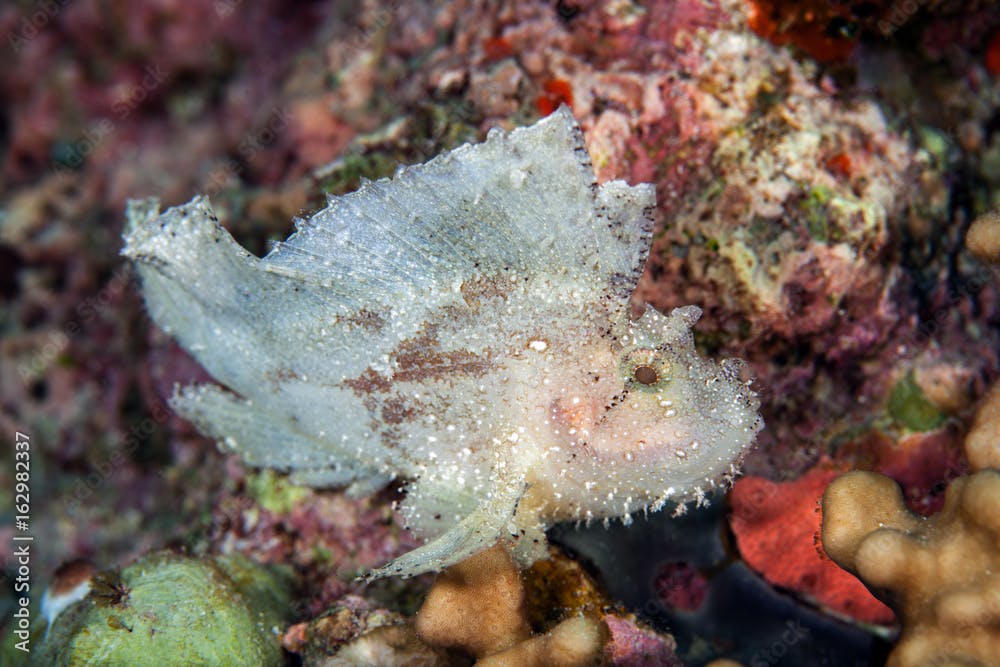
(645, 375)
(645, 367)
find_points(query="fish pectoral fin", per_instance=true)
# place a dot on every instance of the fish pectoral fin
(530, 544)
(490, 521)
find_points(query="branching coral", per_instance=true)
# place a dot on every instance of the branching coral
(941, 575)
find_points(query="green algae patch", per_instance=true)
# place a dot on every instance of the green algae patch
(814, 206)
(909, 407)
(348, 172)
(274, 492)
(168, 609)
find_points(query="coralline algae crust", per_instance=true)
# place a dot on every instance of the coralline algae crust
(465, 326)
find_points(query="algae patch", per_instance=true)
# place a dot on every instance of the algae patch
(909, 407)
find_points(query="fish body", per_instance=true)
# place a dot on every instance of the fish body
(464, 326)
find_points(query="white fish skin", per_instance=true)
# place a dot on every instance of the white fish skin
(465, 326)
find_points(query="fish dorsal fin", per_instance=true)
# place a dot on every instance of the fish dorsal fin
(525, 202)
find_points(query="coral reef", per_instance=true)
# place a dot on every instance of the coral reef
(351, 632)
(829, 32)
(483, 606)
(486, 608)
(171, 609)
(479, 606)
(386, 645)
(848, 187)
(826, 31)
(327, 537)
(941, 575)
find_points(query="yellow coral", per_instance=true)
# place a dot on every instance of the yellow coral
(983, 238)
(575, 642)
(479, 606)
(941, 575)
(982, 445)
(476, 605)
